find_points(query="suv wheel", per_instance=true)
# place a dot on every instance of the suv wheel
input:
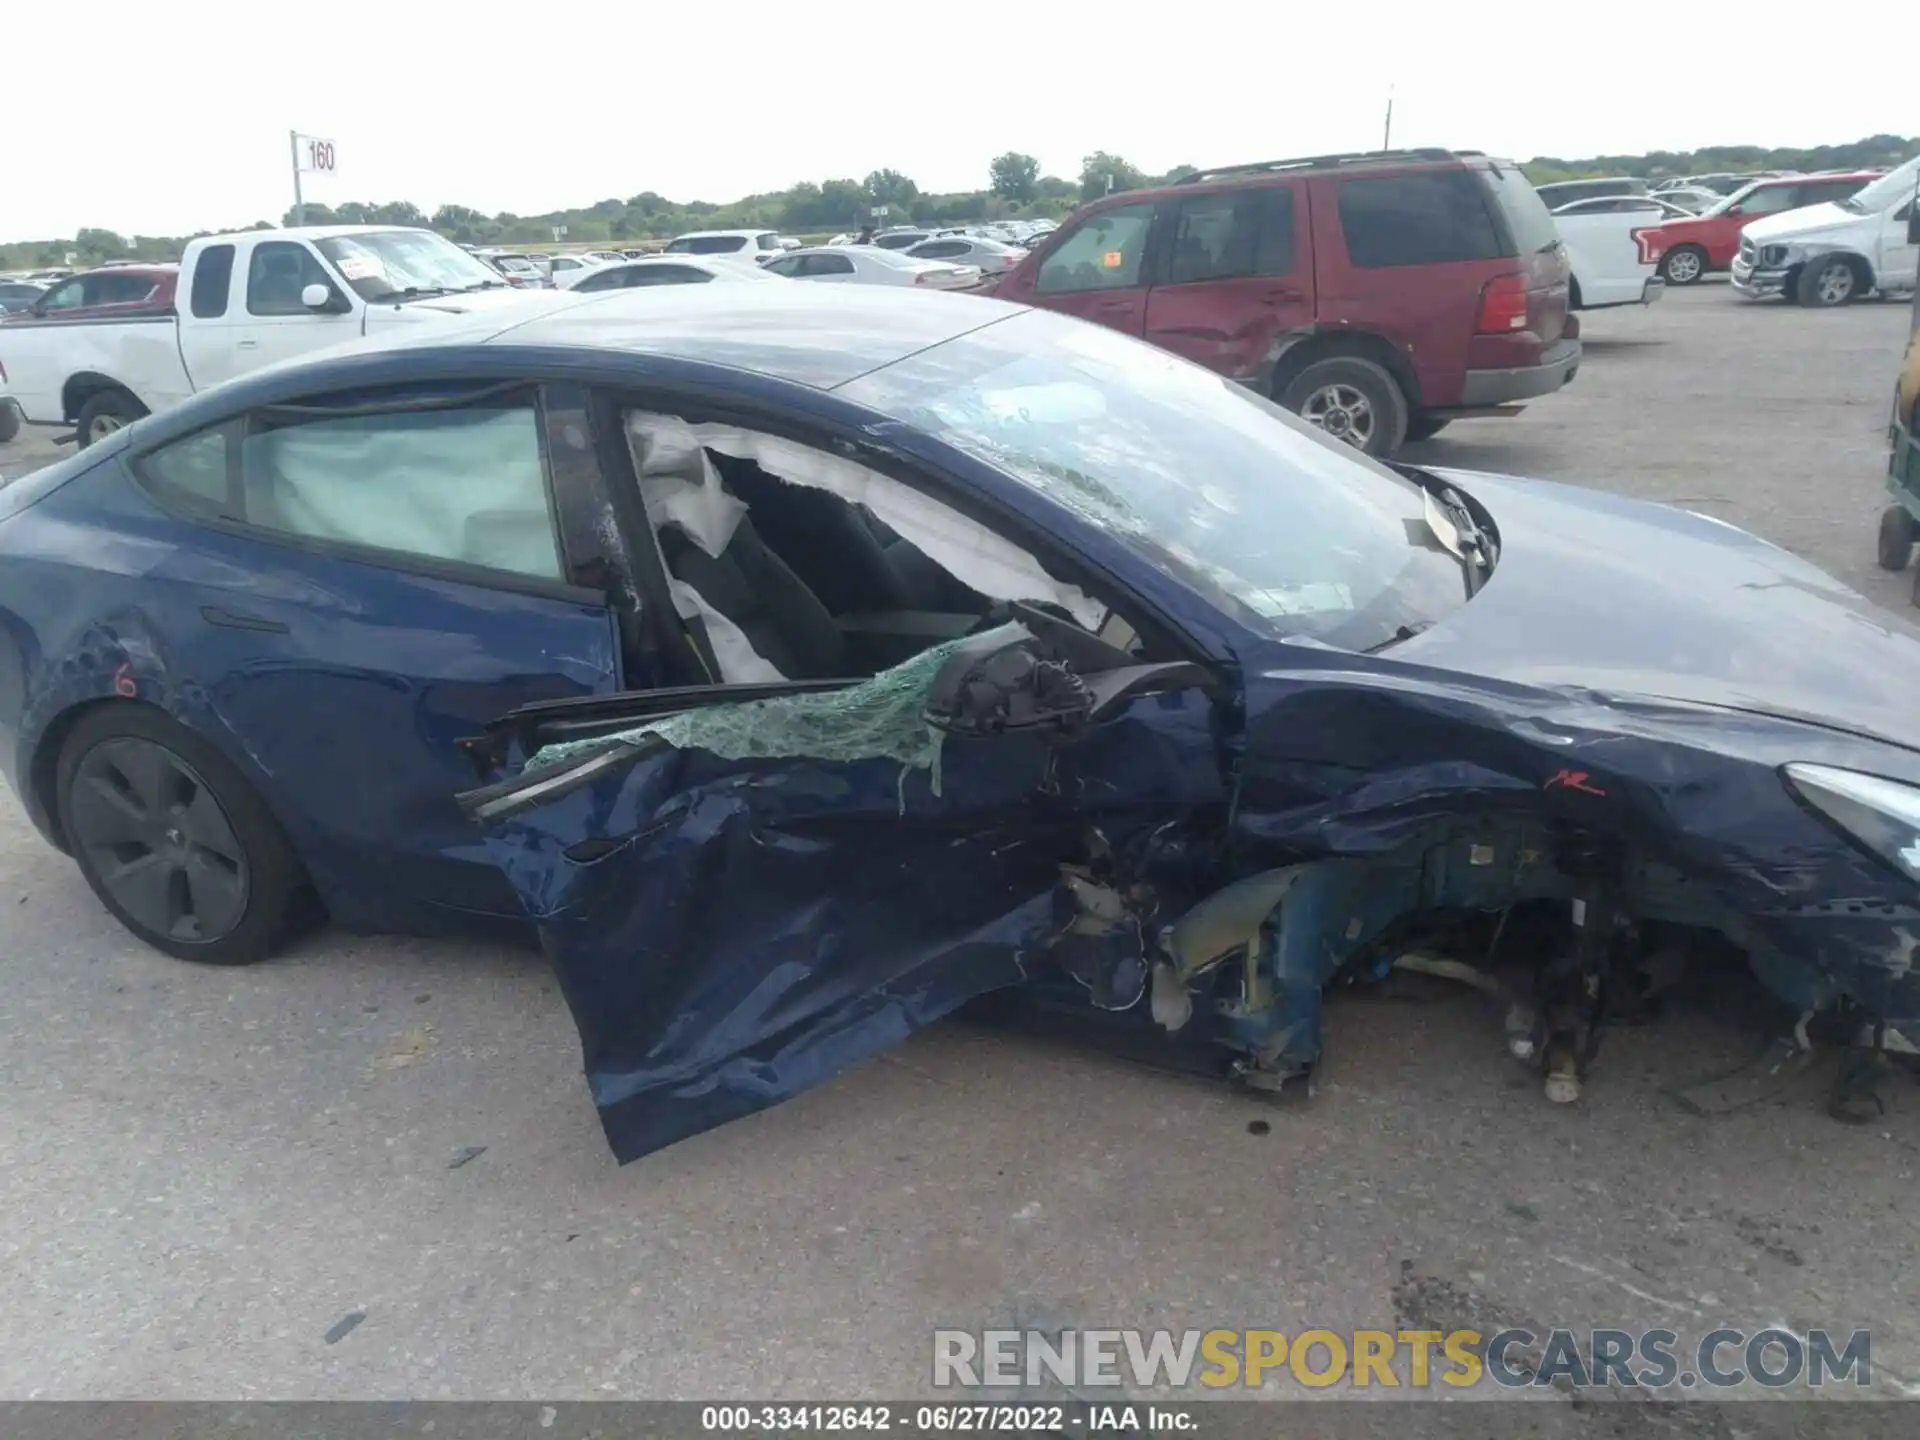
(1353, 400)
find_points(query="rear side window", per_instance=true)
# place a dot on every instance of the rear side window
(122, 289)
(710, 244)
(824, 265)
(1771, 200)
(940, 249)
(200, 474)
(639, 275)
(1426, 218)
(1826, 190)
(465, 486)
(1232, 235)
(1103, 253)
(768, 242)
(212, 279)
(1529, 224)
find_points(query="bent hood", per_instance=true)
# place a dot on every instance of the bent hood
(1604, 593)
(1811, 222)
(434, 307)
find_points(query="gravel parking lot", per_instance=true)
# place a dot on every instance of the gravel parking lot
(203, 1174)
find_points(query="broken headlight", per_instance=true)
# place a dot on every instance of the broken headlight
(1882, 815)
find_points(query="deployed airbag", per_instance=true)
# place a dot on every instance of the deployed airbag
(966, 550)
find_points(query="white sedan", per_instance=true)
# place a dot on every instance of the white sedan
(673, 270)
(991, 256)
(870, 265)
(569, 270)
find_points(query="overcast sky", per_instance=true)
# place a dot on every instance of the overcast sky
(533, 107)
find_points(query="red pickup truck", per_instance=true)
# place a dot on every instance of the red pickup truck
(111, 292)
(1687, 249)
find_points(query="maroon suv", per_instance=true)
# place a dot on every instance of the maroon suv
(113, 292)
(1378, 295)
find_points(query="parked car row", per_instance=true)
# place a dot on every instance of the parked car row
(1378, 294)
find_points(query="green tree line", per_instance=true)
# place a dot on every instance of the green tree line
(1016, 189)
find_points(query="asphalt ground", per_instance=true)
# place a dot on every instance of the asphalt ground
(206, 1174)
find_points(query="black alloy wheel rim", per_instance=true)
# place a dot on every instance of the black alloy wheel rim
(158, 840)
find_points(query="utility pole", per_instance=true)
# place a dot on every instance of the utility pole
(1386, 140)
(299, 205)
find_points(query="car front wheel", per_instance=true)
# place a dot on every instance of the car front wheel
(173, 839)
(1684, 266)
(1826, 283)
(1353, 400)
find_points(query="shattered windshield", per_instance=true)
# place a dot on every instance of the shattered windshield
(396, 264)
(1295, 533)
(1882, 194)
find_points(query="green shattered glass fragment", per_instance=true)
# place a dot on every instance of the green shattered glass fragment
(878, 719)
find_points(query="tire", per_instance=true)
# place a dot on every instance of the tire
(1828, 282)
(9, 421)
(1683, 265)
(106, 412)
(1352, 399)
(173, 839)
(1425, 426)
(1897, 534)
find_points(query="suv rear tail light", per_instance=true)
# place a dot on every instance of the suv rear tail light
(1503, 305)
(1650, 247)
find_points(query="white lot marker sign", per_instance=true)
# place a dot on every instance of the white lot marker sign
(311, 155)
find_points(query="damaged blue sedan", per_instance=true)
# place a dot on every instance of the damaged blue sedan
(807, 664)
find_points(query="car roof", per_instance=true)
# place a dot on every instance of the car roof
(899, 258)
(159, 270)
(307, 232)
(713, 234)
(819, 336)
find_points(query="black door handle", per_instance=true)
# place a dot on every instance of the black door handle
(215, 615)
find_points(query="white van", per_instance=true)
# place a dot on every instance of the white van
(1833, 253)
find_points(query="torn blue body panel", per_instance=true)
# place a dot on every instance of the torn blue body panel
(730, 932)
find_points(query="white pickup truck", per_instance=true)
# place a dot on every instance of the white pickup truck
(1840, 251)
(243, 301)
(1609, 264)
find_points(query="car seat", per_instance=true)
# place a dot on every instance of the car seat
(781, 618)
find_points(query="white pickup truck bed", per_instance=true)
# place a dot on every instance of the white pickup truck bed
(1608, 263)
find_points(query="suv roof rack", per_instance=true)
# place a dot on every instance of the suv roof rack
(1328, 162)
